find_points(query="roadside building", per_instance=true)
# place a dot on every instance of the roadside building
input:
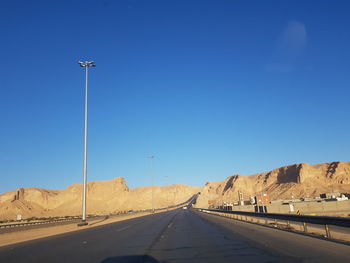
(262, 199)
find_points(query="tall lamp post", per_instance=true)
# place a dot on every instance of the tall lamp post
(85, 65)
(151, 157)
(165, 185)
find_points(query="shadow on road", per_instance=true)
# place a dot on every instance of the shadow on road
(131, 259)
(104, 219)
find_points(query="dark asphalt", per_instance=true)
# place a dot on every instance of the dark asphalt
(177, 236)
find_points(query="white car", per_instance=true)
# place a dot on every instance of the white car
(185, 207)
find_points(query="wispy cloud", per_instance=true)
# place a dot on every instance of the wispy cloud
(290, 47)
(294, 37)
(279, 68)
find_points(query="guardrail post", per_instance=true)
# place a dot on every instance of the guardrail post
(292, 222)
(328, 231)
(305, 227)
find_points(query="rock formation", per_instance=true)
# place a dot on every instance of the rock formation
(293, 181)
(103, 197)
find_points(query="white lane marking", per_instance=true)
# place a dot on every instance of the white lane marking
(123, 228)
(169, 226)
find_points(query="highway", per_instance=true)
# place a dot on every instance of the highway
(177, 236)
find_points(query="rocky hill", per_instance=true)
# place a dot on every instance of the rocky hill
(293, 181)
(103, 197)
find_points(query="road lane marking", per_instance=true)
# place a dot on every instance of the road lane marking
(123, 228)
(169, 226)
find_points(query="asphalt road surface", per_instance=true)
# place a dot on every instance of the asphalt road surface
(177, 236)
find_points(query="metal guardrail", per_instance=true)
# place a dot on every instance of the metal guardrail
(41, 222)
(326, 221)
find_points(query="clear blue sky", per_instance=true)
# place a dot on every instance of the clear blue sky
(211, 88)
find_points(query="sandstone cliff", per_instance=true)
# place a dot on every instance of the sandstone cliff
(103, 197)
(298, 180)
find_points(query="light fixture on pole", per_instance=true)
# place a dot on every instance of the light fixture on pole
(85, 65)
(151, 157)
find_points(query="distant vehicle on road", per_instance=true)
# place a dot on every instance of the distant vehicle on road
(185, 207)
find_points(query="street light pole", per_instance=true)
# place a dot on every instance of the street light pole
(167, 199)
(85, 65)
(151, 157)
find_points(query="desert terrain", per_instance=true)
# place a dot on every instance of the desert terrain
(288, 182)
(105, 197)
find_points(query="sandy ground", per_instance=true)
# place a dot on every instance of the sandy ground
(25, 235)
